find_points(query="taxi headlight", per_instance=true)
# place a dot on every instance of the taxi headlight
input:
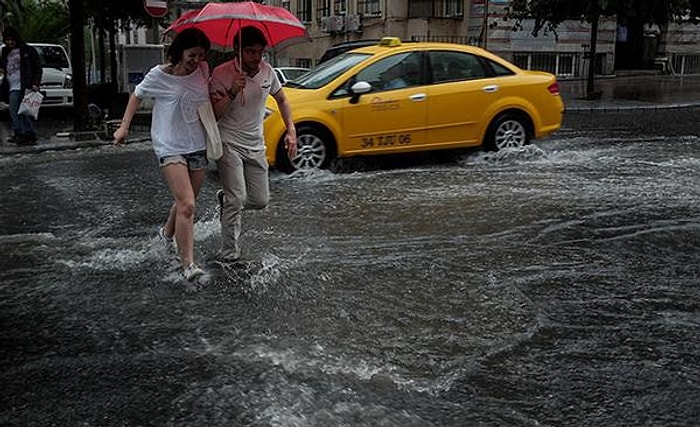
(68, 82)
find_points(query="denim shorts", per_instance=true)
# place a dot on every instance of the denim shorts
(194, 161)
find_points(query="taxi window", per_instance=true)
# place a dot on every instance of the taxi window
(394, 72)
(499, 70)
(328, 71)
(456, 66)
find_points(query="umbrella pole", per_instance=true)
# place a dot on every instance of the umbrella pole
(240, 58)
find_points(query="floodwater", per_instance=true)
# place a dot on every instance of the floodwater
(556, 285)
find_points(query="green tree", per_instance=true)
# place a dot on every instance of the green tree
(44, 21)
(10, 10)
(548, 14)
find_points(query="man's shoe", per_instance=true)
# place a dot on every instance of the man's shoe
(192, 272)
(228, 257)
(18, 139)
(30, 140)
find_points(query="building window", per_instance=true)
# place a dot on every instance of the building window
(369, 7)
(323, 9)
(303, 62)
(339, 7)
(448, 8)
(562, 64)
(435, 8)
(304, 10)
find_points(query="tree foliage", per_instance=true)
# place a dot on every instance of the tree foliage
(44, 21)
(548, 14)
(10, 11)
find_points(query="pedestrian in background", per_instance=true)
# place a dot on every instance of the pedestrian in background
(22, 71)
(239, 89)
(650, 45)
(179, 87)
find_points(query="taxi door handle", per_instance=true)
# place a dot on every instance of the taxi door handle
(490, 88)
(417, 97)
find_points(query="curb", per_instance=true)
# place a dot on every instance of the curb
(619, 108)
(64, 146)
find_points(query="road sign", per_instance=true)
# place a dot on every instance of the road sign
(156, 8)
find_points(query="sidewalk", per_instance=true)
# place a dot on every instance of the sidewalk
(639, 92)
(54, 130)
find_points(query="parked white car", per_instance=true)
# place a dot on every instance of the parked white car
(57, 75)
(286, 74)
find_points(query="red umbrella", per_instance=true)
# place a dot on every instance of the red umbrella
(221, 22)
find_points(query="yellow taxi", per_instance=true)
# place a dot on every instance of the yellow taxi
(399, 97)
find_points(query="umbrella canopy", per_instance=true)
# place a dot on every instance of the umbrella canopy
(221, 22)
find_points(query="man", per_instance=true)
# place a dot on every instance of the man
(239, 89)
(21, 66)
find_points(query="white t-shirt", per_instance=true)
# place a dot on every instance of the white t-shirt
(242, 123)
(14, 76)
(175, 126)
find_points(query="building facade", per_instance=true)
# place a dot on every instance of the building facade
(482, 23)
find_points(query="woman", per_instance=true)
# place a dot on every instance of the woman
(179, 87)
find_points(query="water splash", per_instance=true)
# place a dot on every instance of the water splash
(27, 237)
(509, 155)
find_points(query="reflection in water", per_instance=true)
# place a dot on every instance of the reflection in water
(551, 285)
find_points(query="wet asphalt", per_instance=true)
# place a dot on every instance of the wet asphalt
(556, 285)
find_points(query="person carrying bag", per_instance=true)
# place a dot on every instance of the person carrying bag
(21, 66)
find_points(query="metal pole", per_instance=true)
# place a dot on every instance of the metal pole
(93, 59)
(485, 24)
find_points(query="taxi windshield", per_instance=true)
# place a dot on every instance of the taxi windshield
(328, 71)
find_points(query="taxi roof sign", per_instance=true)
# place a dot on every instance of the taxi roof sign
(390, 41)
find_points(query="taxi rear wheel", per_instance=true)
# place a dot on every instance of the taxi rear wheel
(315, 150)
(509, 130)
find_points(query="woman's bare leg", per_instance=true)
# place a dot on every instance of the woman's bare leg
(169, 226)
(181, 187)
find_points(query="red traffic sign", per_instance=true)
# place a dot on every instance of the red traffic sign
(156, 8)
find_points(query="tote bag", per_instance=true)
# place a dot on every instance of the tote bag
(30, 104)
(208, 119)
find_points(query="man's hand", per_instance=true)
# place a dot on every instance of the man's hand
(237, 83)
(290, 143)
(217, 96)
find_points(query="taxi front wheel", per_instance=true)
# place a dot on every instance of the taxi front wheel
(509, 130)
(315, 150)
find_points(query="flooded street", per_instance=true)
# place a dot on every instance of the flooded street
(557, 285)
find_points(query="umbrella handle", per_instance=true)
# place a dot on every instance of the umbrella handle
(237, 67)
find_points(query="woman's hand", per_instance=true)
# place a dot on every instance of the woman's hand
(120, 134)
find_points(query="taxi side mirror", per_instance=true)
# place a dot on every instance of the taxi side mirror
(358, 89)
